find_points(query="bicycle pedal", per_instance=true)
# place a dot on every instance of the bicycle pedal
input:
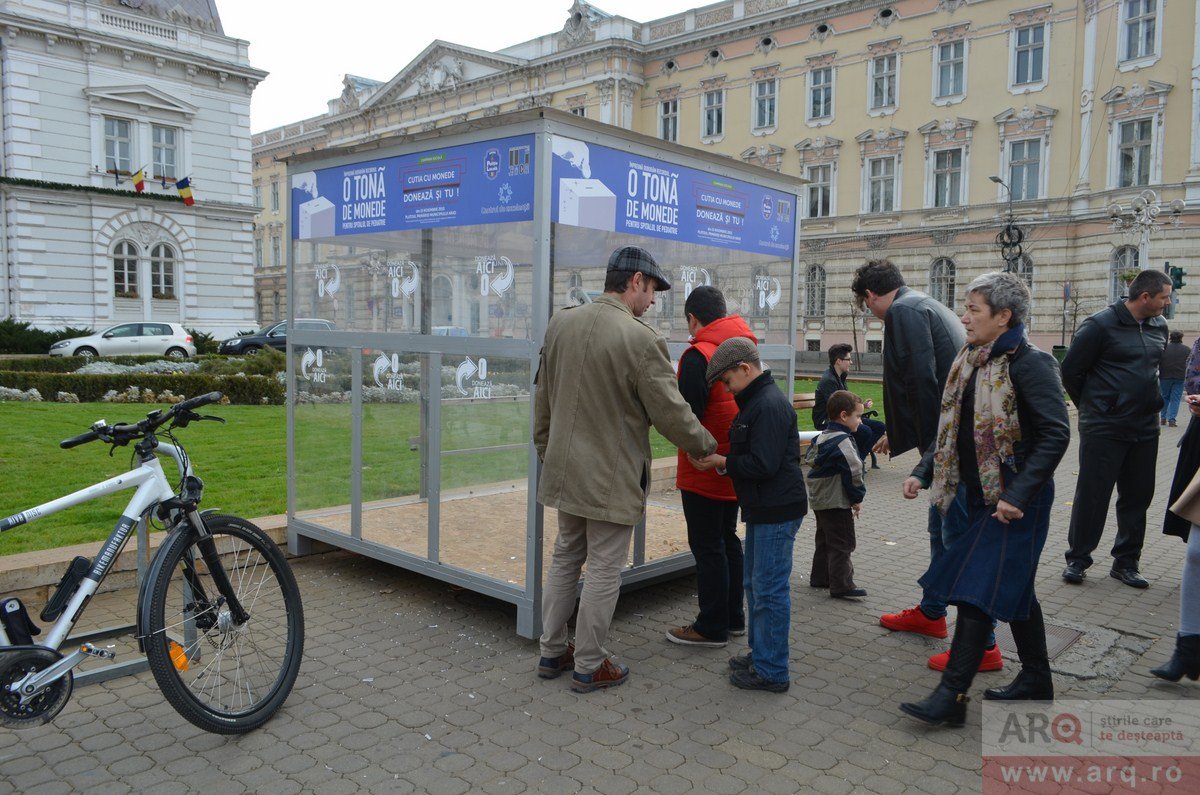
(92, 651)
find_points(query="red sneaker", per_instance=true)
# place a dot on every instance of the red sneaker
(992, 661)
(913, 620)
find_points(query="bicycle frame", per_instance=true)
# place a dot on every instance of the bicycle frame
(152, 488)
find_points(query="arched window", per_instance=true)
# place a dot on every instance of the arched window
(1025, 271)
(162, 271)
(443, 309)
(814, 292)
(125, 270)
(1124, 261)
(941, 280)
(575, 288)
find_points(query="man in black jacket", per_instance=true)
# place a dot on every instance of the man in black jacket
(1111, 374)
(834, 380)
(921, 337)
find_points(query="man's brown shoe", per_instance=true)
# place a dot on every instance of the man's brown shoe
(688, 636)
(609, 674)
(551, 667)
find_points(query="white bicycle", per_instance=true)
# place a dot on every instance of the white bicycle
(219, 616)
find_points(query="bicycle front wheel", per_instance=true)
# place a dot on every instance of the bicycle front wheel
(222, 676)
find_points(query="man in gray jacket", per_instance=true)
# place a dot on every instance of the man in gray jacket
(604, 378)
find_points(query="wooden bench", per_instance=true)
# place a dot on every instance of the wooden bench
(804, 400)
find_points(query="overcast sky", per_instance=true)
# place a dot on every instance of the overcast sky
(308, 51)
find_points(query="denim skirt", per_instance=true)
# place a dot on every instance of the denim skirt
(992, 565)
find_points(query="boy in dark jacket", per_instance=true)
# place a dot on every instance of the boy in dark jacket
(836, 491)
(764, 464)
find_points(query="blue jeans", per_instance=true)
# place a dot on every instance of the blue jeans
(943, 532)
(768, 595)
(1172, 392)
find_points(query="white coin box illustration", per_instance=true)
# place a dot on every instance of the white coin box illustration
(316, 218)
(587, 203)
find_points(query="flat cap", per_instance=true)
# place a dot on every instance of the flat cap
(638, 260)
(729, 354)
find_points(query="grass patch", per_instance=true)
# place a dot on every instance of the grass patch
(243, 463)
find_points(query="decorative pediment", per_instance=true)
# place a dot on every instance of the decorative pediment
(819, 149)
(884, 141)
(442, 66)
(765, 155)
(1038, 119)
(144, 98)
(580, 27)
(1137, 98)
(941, 132)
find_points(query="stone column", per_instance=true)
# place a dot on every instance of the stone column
(1086, 102)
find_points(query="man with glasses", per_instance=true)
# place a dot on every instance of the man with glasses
(834, 380)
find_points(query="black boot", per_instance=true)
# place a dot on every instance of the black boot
(1184, 662)
(947, 704)
(1034, 682)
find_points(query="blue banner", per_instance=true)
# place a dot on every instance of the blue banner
(483, 183)
(601, 188)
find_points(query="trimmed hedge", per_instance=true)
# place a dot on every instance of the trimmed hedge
(91, 388)
(20, 337)
(69, 364)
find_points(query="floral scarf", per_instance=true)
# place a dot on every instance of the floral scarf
(997, 429)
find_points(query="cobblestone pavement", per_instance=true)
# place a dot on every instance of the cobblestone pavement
(409, 685)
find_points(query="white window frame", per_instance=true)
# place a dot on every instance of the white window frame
(768, 102)
(873, 76)
(1125, 61)
(258, 252)
(949, 98)
(712, 135)
(869, 179)
(1043, 159)
(127, 258)
(668, 117)
(1154, 153)
(1143, 144)
(580, 111)
(1014, 49)
(258, 195)
(158, 165)
(931, 175)
(163, 270)
(276, 251)
(939, 284)
(116, 161)
(816, 293)
(830, 87)
(1121, 259)
(814, 184)
(274, 195)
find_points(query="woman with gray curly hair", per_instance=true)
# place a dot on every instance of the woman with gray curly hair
(1002, 431)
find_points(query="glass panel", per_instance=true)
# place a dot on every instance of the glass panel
(322, 436)
(484, 464)
(470, 281)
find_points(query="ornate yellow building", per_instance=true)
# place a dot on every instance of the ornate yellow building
(920, 125)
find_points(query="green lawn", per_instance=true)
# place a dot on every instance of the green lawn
(243, 463)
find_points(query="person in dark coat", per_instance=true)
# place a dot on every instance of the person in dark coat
(1002, 431)
(921, 337)
(1111, 374)
(841, 357)
(1170, 377)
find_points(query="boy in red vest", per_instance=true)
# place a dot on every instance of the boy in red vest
(709, 504)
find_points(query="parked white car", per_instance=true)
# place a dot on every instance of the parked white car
(131, 339)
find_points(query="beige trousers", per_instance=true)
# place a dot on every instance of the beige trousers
(604, 546)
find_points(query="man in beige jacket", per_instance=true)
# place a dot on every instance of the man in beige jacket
(603, 379)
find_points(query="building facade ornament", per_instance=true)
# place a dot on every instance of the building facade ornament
(445, 73)
(578, 28)
(888, 47)
(951, 33)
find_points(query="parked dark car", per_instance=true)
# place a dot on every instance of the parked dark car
(274, 335)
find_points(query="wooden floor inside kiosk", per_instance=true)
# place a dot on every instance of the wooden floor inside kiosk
(483, 529)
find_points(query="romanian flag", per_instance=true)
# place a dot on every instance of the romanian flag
(184, 186)
(139, 179)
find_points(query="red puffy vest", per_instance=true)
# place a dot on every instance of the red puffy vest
(718, 413)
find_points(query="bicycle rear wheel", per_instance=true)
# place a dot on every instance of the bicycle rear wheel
(221, 676)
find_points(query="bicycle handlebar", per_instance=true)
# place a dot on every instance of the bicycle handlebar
(122, 434)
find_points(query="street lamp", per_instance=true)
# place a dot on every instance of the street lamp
(1142, 217)
(1010, 237)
